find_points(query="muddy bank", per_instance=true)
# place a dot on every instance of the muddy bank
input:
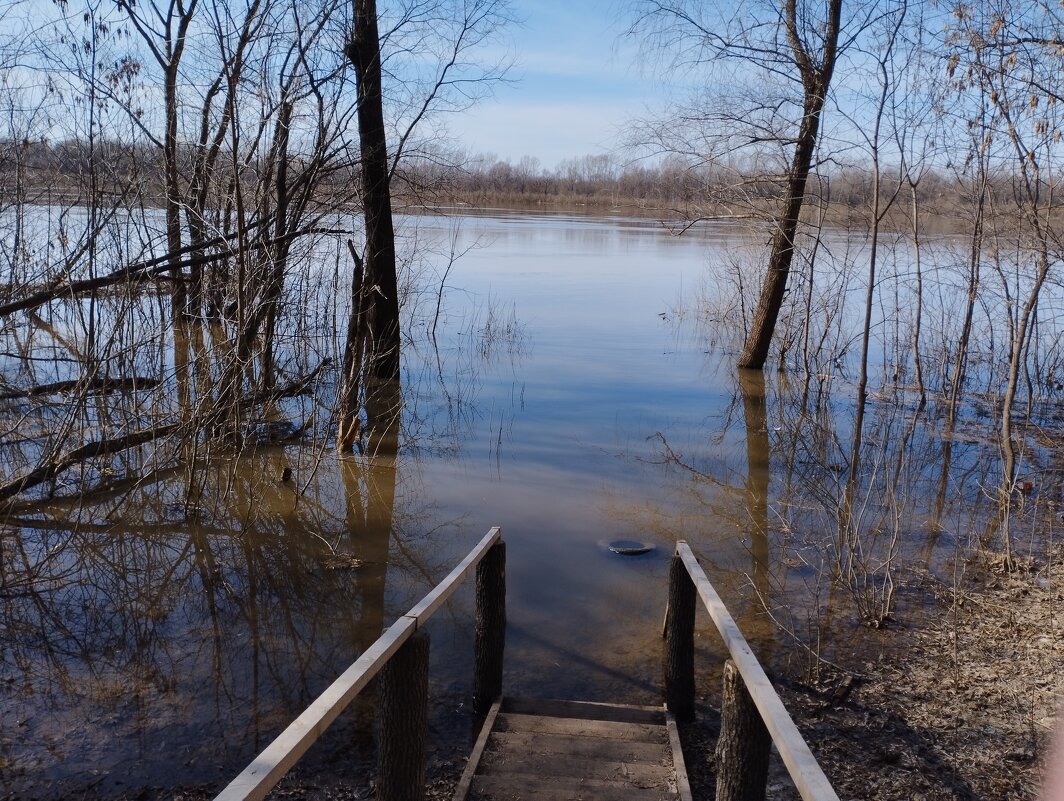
(959, 708)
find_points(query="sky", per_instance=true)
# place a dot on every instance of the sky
(575, 83)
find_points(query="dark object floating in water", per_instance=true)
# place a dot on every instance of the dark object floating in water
(630, 547)
(271, 432)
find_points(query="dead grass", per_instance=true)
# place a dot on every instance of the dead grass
(960, 708)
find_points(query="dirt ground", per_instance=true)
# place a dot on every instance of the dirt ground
(966, 706)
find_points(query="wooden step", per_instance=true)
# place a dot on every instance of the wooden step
(575, 750)
(601, 729)
(636, 773)
(587, 710)
(588, 747)
(525, 787)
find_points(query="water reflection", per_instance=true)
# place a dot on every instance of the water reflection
(178, 599)
(126, 636)
(758, 478)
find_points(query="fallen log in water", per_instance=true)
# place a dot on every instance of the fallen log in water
(88, 387)
(100, 447)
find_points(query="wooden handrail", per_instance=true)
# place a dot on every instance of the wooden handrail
(270, 766)
(803, 767)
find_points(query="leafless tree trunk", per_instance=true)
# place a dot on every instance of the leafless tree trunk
(918, 313)
(879, 209)
(373, 327)
(816, 78)
(167, 46)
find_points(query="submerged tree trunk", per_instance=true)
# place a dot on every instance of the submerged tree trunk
(919, 297)
(373, 327)
(758, 464)
(815, 81)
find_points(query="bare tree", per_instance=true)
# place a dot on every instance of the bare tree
(793, 42)
(816, 65)
(881, 201)
(443, 32)
(1008, 58)
(373, 329)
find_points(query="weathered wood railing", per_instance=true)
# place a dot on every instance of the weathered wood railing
(401, 656)
(751, 711)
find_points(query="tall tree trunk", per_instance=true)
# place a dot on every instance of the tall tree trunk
(175, 48)
(376, 329)
(278, 253)
(173, 191)
(975, 255)
(815, 82)
(755, 351)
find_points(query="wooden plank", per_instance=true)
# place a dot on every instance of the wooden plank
(645, 775)
(683, 785)
(531, 787)
(489, 629)
(464, 783)
(423, 610)
(587, 710)
(805, 771)
(268, 767)
(638, 732)
(258, 778)
(587, 747)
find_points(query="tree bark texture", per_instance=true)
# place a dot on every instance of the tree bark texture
(743, 747)
(376, 328)
(490, 643)
(347, 402)
(815, 82)
(403, 690)
(679, 661)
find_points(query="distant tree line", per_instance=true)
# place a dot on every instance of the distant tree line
(672, 184)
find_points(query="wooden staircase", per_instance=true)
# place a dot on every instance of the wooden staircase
(575, 751)
(554, 750)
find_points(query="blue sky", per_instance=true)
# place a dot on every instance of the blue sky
(576, 82)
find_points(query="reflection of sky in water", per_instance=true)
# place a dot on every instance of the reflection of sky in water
(209, 646)
(205, 636)
(604, 370)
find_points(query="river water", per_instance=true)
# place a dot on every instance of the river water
(574, 394)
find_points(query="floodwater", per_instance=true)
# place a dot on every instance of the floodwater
(574, 394)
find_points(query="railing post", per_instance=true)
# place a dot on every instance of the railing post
(679, 658)
(490, 629)
(403, 691)
(743, 747)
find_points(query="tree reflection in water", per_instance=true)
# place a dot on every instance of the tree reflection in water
(163, 624)
(167, 609)
(832, 537)
(214, 628)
